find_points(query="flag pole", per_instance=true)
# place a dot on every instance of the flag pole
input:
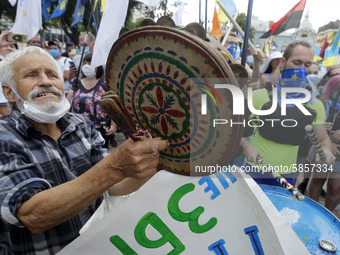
(238, 28)
(84, 44)
(246, 36)
(94, 18)
(206, 16)
(199, 13)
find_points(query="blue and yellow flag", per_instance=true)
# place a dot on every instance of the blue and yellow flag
(330, 37)
(336, 42)
(78, 12)
(331, 57)
(102, 5)
(221, 16)
(268, 45)
(60, 9)
(240, 38)
(332, 53)
(230, 7)
(46, 8)
(316, 53)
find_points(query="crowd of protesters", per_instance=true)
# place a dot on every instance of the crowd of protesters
(51, 120)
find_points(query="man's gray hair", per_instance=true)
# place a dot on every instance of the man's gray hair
(6, 69)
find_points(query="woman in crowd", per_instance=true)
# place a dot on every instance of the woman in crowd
(85, 95)
(333, 71)
(271, 68)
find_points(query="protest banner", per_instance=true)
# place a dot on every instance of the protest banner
(223, 213)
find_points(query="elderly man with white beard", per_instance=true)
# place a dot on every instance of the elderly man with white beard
(53, 168)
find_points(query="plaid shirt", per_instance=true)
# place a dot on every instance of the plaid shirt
(30, 162)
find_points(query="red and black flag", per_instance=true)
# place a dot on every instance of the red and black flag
(323, 48)
(290, 20)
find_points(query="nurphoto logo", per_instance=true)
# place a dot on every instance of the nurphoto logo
(238, 105)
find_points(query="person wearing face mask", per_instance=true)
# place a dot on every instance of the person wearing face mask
(315, 79)
(63, 62)
(53, 168)
(85, 96)
(87, 47)
(313, 72)
(276, 144)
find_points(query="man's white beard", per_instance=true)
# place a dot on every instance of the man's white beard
(49, 104)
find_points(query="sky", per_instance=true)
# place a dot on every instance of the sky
(320, 12)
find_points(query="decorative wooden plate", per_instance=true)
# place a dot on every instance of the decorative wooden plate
(160, 74)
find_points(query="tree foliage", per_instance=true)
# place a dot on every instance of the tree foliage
(145, 11)
(8, 12)
(242, 21)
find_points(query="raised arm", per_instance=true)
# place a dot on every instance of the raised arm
(53, 206)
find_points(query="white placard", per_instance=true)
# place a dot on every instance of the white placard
(223, 213)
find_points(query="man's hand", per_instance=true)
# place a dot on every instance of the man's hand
(112, 129)
(3, 38)
(329, 157)
(137, 159)
(335, 136)
(336, 149)
(259, 56)
(72, 73)
(250, 152)
(281, 64)
(328, 126)
(326, 144)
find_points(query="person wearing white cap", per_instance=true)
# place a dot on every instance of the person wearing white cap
(271, 69)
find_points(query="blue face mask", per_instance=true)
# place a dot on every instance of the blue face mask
(313, 78)
(295, 78)
(87, 50)
(54, 53)
(294, 73)
(250, 60)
